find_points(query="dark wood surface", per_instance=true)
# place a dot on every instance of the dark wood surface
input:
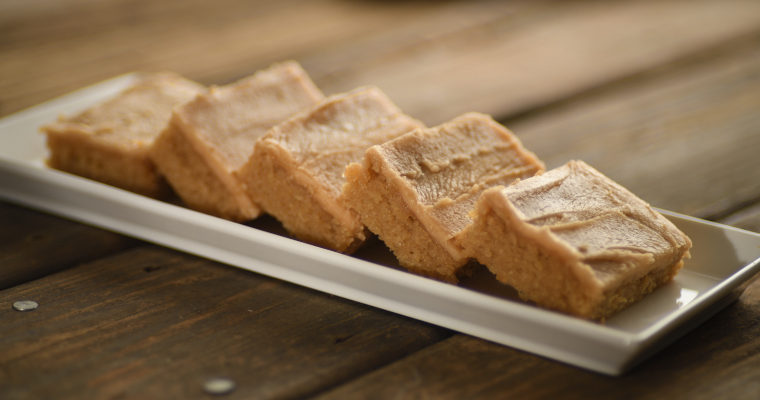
(662, 96)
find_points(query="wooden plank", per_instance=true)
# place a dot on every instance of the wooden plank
(535, 56)
(435, 59)
(119, 328)
(718, 360)
(684, 138)
(47, 51)
(33, 244)
(153, 323)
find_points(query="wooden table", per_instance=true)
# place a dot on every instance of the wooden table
(662, 96)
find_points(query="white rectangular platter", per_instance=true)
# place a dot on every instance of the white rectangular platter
(722, 258)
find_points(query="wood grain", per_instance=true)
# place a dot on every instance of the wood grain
(435, 59)
(535, 56)
(47, 51)
(684, 138)
(152, 323)
(33, 244)
(718, 360)
(660, 95)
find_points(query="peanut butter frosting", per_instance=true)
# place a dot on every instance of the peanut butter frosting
(230, 118)
(610, 234)
(337, 132)
(444, 169)
(135, 117)
(297, 169)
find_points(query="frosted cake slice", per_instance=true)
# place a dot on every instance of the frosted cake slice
(415, 192)
(211, 137)
(110, 142)
(573, 240)
(296, 171)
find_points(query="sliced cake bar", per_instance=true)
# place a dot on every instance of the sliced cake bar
(111, 141)
(211, 137)
(296, 171)
(415, 192)
(573, 240)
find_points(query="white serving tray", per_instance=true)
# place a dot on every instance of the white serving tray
(722, 258)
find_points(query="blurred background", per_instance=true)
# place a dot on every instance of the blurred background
(654, 93)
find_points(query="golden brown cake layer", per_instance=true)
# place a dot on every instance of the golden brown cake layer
(573, 240)
(110, 142)
(212, 136)
(429, 180)
(296, 171)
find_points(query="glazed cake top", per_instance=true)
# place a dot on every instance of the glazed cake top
(136, 116)
(588, 218)
(444, 169)
(324, 139)
(231, 118)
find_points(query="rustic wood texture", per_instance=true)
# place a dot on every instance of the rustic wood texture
(684, 137)
(152, 323)
(660, 95)
(705, 364)
(33, 245)
(525, 59)
(210, 42)
(435, 59)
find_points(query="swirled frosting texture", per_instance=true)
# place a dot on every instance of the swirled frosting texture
(449, 166)
(597, 222)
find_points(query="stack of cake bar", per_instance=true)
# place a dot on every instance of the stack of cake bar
(333, 169)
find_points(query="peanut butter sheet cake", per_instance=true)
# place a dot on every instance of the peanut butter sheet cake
(573, 240)
(110, 142)
(415, 192)
(296, 171)
(211, 137)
